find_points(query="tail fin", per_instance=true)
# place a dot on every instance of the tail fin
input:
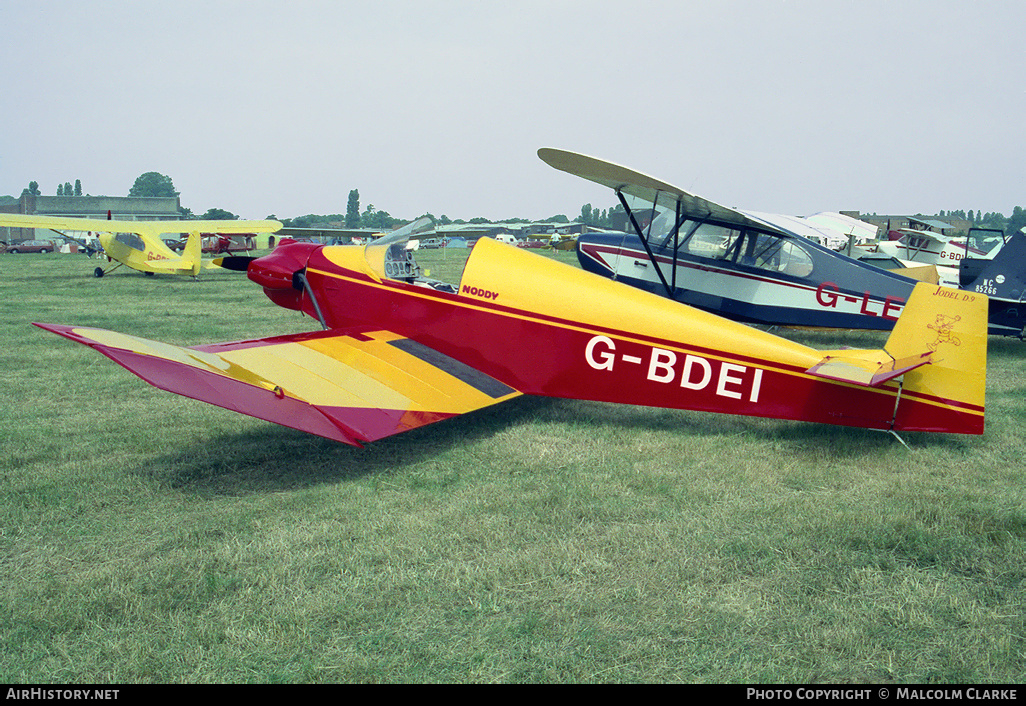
(192, 255)
(1002, 279)
(1002, 276)
(951, 326)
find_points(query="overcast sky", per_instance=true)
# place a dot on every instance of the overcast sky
(787, 106)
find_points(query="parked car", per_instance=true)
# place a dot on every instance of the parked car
(532, 243)
(31, 246)
(221, 243)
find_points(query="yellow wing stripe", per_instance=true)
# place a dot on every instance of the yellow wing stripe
(330, 371)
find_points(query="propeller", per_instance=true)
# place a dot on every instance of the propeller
(236, 263)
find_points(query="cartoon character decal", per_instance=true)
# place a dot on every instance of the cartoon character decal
(944, 325)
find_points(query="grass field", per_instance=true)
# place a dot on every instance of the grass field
(145, 537)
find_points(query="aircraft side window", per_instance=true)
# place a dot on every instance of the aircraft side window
(713, 241)
(794, 260)
(766, 251)
(780, 255)
(658, 230)
(662, 226)
(131, 240)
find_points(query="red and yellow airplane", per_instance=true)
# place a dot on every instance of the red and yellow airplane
(139, 245)
(399, 351)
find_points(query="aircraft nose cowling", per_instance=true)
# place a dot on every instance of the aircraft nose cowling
(276, 273)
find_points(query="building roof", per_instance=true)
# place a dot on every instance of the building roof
(125, 208)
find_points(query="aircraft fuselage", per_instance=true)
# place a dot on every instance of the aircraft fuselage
(554, 330)
(825, 289)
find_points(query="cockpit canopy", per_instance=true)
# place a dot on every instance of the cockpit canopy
(740, 245)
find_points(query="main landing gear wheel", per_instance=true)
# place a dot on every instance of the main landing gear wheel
(98, 272)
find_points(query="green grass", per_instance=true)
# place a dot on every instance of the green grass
(145, 537)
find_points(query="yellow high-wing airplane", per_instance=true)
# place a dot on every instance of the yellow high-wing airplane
(138, 244)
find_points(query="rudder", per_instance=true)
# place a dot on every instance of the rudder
(192, 255)
(950, 325)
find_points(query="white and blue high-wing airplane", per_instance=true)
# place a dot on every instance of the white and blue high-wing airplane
(753, 267)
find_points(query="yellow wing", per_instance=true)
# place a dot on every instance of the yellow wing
(352, 387)
(150, 228)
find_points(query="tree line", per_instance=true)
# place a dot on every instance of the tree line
(65, 189)
(147, 184)
(372, 217)
(997, 221)
(157, 184)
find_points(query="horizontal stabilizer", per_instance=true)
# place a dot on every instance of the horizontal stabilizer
(179, 265)
(920, 273)
(868, 370)
(352, 387)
